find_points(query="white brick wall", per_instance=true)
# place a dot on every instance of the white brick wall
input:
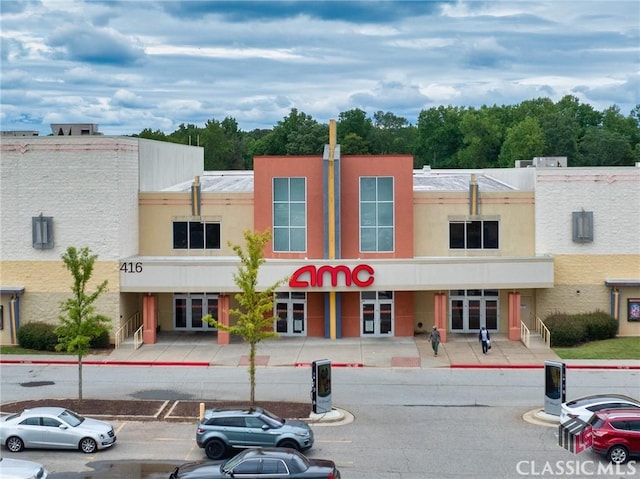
(612, 194)
(89, 185)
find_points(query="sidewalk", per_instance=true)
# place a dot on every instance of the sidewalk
(201, 350)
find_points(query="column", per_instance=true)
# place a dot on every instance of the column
(224, 337)
(440, 300)
(149, 319)
(514, 316)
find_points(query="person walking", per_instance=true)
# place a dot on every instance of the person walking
(484, 338)
(434, 336)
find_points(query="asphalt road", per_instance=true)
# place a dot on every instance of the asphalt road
(408, 423)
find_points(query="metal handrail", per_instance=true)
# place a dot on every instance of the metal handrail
(525, 334)
(127, 329)
(543, 331)
(137, 338)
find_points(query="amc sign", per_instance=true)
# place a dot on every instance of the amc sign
(310, 276)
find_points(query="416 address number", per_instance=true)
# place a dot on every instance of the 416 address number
(131, 267)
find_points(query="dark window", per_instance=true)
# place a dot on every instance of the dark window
(250, 466)
(273, 466)
(473, 235)
(31, 421)
(196, 235)
(50, 422)
(227, 422)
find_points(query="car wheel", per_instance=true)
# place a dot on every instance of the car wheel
(290, 444)
(215, 449)
(88, 445)
(15, 444)
(618, 454)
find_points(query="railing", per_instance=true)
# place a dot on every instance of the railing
(137, 338)
(544, 333)
(127, 329)
(525, 334)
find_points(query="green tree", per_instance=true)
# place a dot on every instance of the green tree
(79, 322)
(483, 132)
(352, 144)
(354, 129)
(523, 142)
(296, 134)
(601, 147)
(560, 138)
(254, 323)
(439, 137)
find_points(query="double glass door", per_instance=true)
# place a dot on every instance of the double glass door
(376, 310)
(473, 308)
(190, 308)
(291, 314)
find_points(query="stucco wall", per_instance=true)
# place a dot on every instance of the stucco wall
(514, 211)
(159, 210)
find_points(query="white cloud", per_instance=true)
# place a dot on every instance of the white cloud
(133, 65)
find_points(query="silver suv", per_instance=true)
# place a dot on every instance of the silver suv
(222, 429)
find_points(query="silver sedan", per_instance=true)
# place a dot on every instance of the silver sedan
(54, 428)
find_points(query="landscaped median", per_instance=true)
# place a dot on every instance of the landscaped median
(155, 410)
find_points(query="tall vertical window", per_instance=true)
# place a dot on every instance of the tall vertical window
(289, 214)
(376, 214)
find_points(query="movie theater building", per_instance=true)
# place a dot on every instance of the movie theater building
(368, 246)
(371, 247)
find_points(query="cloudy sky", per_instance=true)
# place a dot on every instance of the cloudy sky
(131, 65)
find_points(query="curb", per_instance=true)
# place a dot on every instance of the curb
(204, 364)
(106, 362)
(541, 366)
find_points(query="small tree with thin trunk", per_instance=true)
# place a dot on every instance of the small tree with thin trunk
(254, 323)
(79, 323)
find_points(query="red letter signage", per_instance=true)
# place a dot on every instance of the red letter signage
(361, 276)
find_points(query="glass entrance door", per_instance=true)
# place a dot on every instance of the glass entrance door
(291, 314)
(471, 309)
(376, 310)
(190, 308)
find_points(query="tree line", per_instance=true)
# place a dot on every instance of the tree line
(443, 137)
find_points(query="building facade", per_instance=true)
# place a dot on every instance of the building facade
(369, 247)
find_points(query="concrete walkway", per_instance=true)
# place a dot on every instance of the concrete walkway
(201, 349)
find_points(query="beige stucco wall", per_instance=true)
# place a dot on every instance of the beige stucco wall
(47, 283)
(159, 210)
(580, 287)
(514, 210)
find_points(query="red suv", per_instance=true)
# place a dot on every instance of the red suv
(616, 434)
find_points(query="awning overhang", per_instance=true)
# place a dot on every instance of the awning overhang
(622, 283)
(12, 290)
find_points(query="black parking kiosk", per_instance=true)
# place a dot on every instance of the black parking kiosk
(321, 386)
(555, 386)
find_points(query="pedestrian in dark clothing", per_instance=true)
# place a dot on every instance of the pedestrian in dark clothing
(434, 336)
(485, 339)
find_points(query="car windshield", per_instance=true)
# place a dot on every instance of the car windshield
(72, 418)
(272, 419)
